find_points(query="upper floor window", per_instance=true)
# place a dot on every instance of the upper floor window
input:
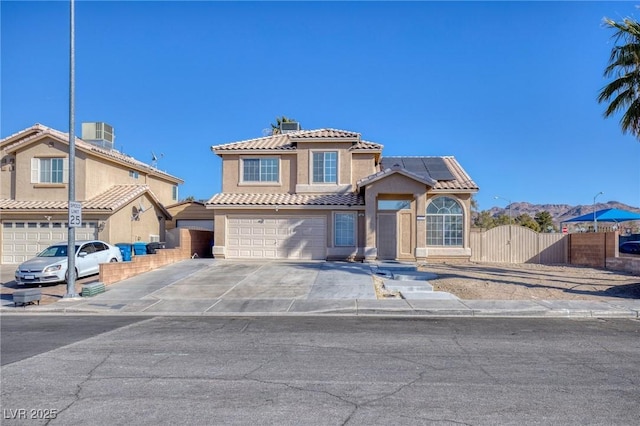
(260, 170)
(49, 170)
(174, 193)
(133, 174)
(325, 167)
(444, 222)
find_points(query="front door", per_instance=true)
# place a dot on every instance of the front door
(387, 235)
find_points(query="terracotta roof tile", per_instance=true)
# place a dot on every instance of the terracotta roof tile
(287, 141)
(37, 131)
(460, 182)
(324, 134)
(227, 199)
(109, 201)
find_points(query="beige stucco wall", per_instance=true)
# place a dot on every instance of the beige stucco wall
(397, 187)
(220, 226)
(362, 165)
(122, 228)
(231, 177)
(7, 175)
(305, 166)
(27, 191)
(94, 175)
(191, 211)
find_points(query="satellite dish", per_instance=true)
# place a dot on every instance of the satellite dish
(154, 158)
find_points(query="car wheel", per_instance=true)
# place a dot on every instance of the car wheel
(66, 275)
(113, 260)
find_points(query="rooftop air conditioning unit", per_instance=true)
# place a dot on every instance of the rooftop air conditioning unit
(289, 126)
(99, 134)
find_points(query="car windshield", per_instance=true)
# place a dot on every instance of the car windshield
(55, 251)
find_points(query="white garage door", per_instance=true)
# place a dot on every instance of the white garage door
(282, 238)
(21, 240)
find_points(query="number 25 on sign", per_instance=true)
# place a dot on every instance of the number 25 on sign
(75, 214)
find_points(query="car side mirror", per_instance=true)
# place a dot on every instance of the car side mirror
(82, 254)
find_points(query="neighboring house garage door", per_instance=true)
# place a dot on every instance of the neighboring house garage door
(282, 238)
(21, 240)
(202, 225)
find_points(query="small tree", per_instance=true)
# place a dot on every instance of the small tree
(528, 222)
(484, 220)
(545, 221)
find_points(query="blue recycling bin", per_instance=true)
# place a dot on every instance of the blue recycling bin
(140, 248)
(126, 249)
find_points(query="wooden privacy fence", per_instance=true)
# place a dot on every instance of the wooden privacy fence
(517, 244)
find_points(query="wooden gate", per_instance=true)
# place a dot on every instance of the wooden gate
(517, 244)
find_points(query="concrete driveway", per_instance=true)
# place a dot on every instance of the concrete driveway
(226, 286)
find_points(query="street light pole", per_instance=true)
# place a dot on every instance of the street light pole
(71, 243)
(595, 218)
(509, 206)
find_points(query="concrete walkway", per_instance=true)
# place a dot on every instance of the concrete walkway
(225, 287)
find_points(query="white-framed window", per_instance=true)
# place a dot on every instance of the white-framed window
(49, 170)
(260, 170)
(325, 167)
(445, 224)
(344, 229)
(133, 174)
(174, 193)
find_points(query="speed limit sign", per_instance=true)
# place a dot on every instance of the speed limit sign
(75, 214)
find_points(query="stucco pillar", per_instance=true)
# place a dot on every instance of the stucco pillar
(220, 226)
(370, 250)
(421, 226)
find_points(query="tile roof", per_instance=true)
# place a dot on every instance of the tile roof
(395, 169)
(461, 182)
(37, 131)
(109, 201)
(287, 141)
(227, 199)
(457, 178)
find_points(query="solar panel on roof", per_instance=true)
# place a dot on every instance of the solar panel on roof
(433, 167)
(438, 168)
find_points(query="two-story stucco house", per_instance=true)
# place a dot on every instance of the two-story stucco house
(122, 198)
(329, 194)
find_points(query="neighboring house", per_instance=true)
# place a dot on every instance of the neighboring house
(122, 198)
(190, 215)
(328, 194)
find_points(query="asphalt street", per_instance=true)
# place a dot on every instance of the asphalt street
(319, 370)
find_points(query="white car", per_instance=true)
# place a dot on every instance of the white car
(50, 265)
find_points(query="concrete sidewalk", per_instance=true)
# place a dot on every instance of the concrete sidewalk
(236, 288)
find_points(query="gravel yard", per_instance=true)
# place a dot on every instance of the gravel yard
(532, 282)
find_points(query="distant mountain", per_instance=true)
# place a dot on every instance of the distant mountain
(559, 212)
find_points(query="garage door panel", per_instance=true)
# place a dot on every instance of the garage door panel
(20, 244)
(282, 238)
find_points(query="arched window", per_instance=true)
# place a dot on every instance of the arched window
(445, 223)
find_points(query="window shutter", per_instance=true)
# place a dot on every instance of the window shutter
(65, 170)
(35, 170)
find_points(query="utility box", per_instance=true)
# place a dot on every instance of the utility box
(27, 296)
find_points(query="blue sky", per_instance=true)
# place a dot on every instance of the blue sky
(508, 88)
